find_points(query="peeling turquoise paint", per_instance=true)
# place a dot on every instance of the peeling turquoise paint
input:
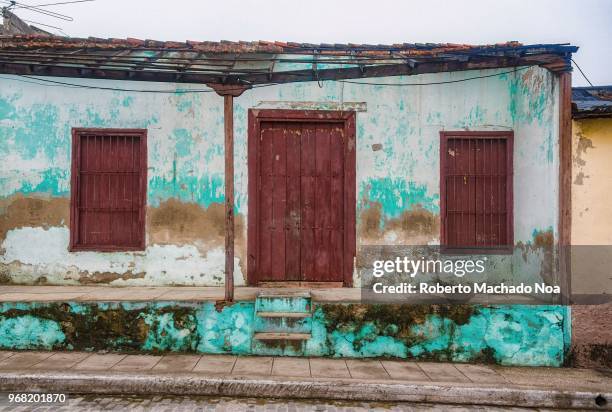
(187, 189)
(228, 331)
(25, 332)
(530, 97)
(396, 195)
(37, 132)
(7, 108)
(186, 156)
(54, 182)
(183, 142)
(504, 334)
(476, 116)
(184, 104)
(517, 335)
(169, 333)
(127, 101)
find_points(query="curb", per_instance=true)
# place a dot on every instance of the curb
(333, 389)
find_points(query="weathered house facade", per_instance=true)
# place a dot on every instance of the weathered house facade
(113, 176)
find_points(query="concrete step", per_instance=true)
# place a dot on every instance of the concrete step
(284, 293)
(280, 324)
(281, 336)
(284, 314)
(283, 302)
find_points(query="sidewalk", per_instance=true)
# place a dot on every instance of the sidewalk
(303, 378)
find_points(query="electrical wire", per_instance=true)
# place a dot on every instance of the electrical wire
(37, 80)
(581, 72)
(115, 89)
(14, 4)
(515, 70)
(57, 4)
(42, 24)
(37, 83)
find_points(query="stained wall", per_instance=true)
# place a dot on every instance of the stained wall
(511, 335)
(398, 196)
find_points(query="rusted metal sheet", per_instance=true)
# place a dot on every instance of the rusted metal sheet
(240, 63)
(36, 41)
(591, 102)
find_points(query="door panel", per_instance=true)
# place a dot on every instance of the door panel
(292, 212)
(300, 202)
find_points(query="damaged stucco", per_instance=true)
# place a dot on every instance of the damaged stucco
(592, 181)
(513, 335)
(397, 169)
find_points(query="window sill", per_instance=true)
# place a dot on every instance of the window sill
(106, 249)
(453, 250)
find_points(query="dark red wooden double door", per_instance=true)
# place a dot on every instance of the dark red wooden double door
(302, 205)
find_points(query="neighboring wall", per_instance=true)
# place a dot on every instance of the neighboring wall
(397, 170)
(592, 181)
(592, 240)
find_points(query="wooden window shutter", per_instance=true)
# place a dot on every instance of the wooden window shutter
(476, 194)
(108, 189)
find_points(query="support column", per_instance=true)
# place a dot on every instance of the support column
(229, 92)
(228, 120)
(565, 184)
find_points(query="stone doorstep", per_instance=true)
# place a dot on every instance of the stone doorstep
(147, 383)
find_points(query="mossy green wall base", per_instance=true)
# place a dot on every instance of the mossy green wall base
(509, 335)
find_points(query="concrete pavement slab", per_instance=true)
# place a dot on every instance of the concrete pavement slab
(480, 373)
(328, 368)
(190, 294)
(442, 372)
(40, 297)
(177, 363)
(137, 363)
(62, 360)
(215, 364)
(291, 367)
(131, 294)
(5, 354)
(553, 377)
(103, 293)
(22, 360)
(403, 370)
(366, 369)
(253, 365)
(99, 362)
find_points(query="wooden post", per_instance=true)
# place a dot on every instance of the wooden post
(565, 184)
(229, 92)
(228, 120)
